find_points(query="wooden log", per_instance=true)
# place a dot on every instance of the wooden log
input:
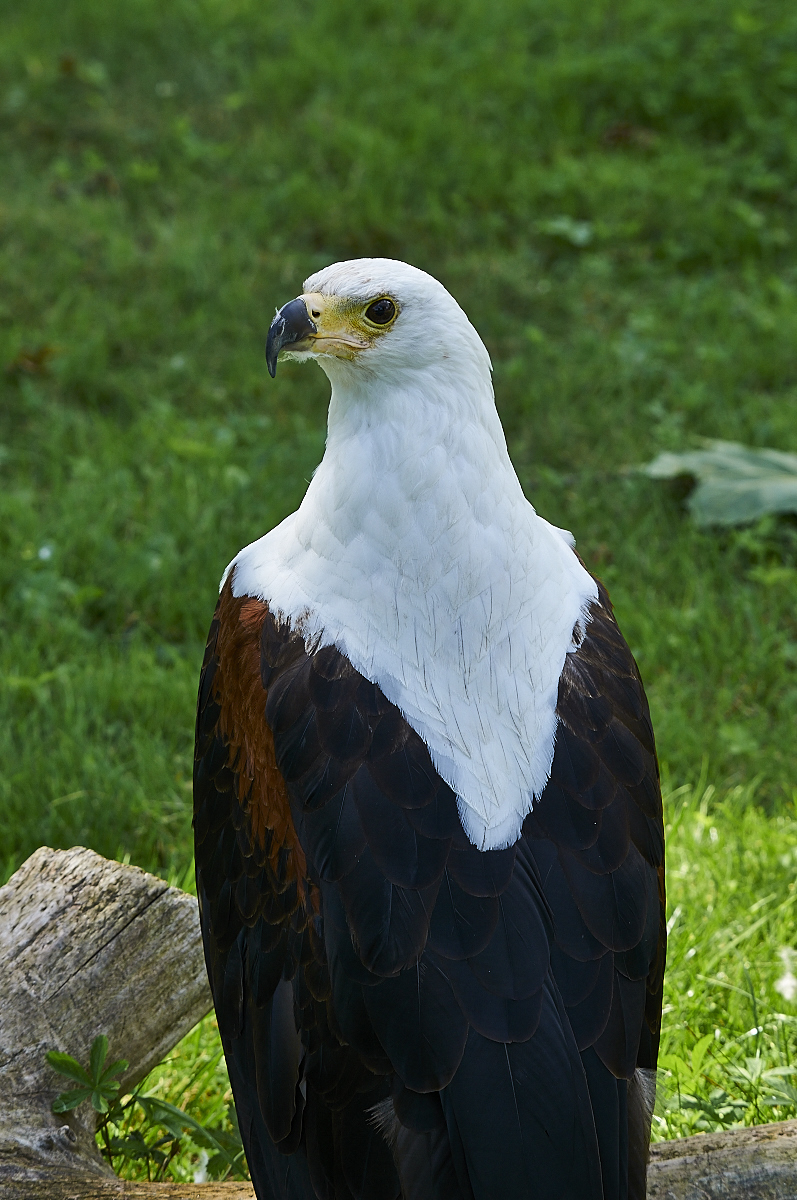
(759, 1163)
(88, 946)
(742, 1164)
(88, 1187)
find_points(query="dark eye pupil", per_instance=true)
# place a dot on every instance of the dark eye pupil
(381, 311)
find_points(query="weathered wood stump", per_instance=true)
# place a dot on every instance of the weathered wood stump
(754, 1164)
(89, 1187)
(741, 1164)
(90, 946)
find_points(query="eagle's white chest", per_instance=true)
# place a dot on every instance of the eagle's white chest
(416, 554)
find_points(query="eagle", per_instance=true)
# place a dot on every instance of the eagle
(427, 812)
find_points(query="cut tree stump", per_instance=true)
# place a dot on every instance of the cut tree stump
(90, 946)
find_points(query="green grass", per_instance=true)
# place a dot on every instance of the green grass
(726, 1025)
(194, 1078)
(610, 190)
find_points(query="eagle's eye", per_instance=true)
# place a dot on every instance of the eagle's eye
(381, 312)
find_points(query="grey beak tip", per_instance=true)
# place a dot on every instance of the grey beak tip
(291, 324)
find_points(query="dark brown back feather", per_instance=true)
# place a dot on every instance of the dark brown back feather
(366, 960)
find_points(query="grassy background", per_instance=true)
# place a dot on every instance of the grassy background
(610, 191)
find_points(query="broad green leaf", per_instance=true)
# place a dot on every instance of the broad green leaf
(699, 1051)
(755, 1067)
(65, 1064)
(784, 1093)
(69, 1100)
(116, 1068)
(217, 1167)
(99, 1050)
(735, 484)
(672, 1062)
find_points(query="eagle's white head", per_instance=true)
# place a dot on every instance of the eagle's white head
(402, 357)
(376, 317)
(414, 550)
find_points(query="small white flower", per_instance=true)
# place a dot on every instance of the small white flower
(201, 1171)
(787, 984)
(45, 553)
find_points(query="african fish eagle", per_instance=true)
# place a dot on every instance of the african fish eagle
(428, 823)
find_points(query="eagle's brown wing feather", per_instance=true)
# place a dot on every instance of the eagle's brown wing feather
(597, 837)
(399, 1010)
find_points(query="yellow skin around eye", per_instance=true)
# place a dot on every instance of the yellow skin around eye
(343, 329)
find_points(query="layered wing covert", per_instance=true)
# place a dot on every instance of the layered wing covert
(401, 1012)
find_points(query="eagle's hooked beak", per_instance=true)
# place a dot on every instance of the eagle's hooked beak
(292, 324)
(318, 326)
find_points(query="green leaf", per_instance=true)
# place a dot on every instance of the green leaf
(735, 484)
(69, 1100)
(65, 1064)
(159, 1112)
(784, 1093)
(133, 1146)
(116, 1068)
(230, 1139)
(674, 1063)
(217, 1166)
(699, 1051)
(99, 1050)
(99, 1102)
(175, 1120)
(755, 1068)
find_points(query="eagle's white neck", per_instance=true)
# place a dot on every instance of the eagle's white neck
(415, 552)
